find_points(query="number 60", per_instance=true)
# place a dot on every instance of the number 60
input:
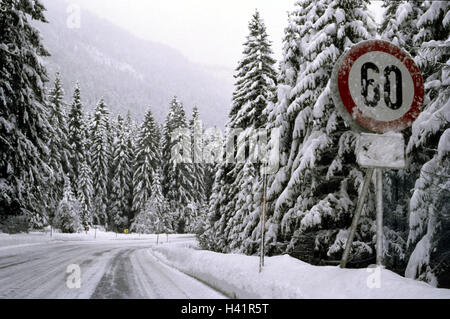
(365, 83)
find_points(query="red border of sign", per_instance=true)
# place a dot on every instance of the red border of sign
(346, 97)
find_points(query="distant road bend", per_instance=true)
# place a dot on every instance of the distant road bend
(108, 270)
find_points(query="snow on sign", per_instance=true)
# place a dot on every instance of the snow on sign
(381, 151)
(378, 87)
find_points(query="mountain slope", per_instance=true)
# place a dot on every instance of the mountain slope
(130, 73)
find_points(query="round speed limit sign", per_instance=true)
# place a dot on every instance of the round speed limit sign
(378, 87)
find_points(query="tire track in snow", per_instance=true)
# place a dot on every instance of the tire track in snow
(117, 283)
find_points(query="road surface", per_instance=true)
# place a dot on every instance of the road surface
(108, 270)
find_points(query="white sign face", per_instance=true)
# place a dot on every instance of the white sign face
(381, 151)
(381, 86)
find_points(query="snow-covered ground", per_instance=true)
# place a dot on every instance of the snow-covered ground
(37, 266)
(286, 277)
(34, 238)
(131, 266)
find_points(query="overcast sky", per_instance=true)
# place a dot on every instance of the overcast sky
(206, 31)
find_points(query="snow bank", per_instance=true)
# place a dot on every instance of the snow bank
(287, 277)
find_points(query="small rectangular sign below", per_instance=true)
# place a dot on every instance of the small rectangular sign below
(381, 150)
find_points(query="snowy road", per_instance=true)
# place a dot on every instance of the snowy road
(109, 269)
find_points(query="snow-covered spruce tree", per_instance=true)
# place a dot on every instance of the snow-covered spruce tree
(429, 221)
(177, 170)
(399, 27)
(88, 131)
(155, 216)
(131, 131)
(195, 210)
(100, 163)
(212, 157)
(158, 205)
(255, 78)
(254, 89)
(58, 145)
(59, 157)
(121, 178)
(76, 134)
(198, 167)
(85, 193)
(84, 183)
(67, 217)
(283, 115)
(400, 23)
(147, 161)
(314, 208)
(242, 227)
(212, 150)
(143, 222)
(25, 177)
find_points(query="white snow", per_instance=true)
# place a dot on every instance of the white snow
(232, 274)
(34, 238)
(287, 277)
(381, 150)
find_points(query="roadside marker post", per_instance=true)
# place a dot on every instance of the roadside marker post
(263, 218)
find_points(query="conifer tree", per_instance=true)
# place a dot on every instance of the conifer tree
(400, 23)
(25, 177)
(212, 154)
(76, 134)
(160, 207)
(154, 217)
(147, 161)
(254, 91)
(429, 219)
(131, 132)
(85, 193)
(255, 78)
(198, 166)
(100, 162)
(121, 177)
(67, 217)
(177, 169)
(59, 148)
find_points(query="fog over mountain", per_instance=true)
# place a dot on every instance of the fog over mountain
(129, 72)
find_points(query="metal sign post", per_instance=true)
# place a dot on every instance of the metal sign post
(359, 207)
(379, 197)
(377, 88)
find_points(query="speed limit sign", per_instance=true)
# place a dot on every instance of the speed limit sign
(378, 87)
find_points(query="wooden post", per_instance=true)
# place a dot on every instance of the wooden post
(359, 207)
